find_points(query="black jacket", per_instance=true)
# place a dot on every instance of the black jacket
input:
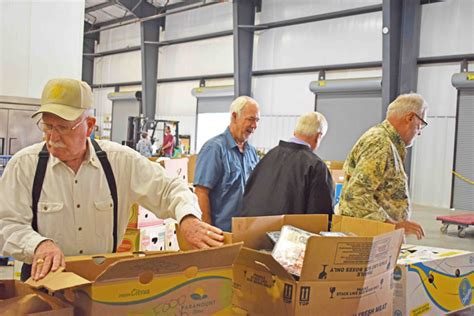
(290, 179)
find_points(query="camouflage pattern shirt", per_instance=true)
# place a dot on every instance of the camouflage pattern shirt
(376, 185)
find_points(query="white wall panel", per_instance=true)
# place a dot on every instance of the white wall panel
(40, 40)
(176, 99)
(213, 56)
(336, 41)
(447, 28)
(15, 48)
(121, 37)
(118, 68)
(102, 105)
(190, 23)
(432, 162)
(433, 151)
(277, 10)
(434, 83)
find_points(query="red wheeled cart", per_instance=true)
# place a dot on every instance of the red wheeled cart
(462, 221)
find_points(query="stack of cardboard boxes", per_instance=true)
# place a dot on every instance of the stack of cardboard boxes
(340, 275)
(146, 232)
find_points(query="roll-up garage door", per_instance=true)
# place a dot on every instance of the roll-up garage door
(463, 188)
(351, 107)
(212, 112)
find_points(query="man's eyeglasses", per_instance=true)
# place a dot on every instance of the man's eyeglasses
(423, 122)
(252, 119)
(60, 129)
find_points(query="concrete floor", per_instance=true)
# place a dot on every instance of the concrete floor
(426, 216)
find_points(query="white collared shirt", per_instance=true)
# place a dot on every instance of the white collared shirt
(76, 210)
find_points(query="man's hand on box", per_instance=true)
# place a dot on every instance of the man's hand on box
(200, 234)
(411, 228)
(48, 257)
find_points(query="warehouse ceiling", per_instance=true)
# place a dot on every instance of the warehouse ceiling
(100, 13)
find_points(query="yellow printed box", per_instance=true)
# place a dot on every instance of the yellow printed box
(432, 281)
(185, 283)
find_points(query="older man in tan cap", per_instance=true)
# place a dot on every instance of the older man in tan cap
(71, 195)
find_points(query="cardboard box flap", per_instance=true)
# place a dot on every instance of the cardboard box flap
(172, 263)
(58, 280)
(261, 261)
(335, 258)
(90, 267)
(252, 230)
(313, 223)
(359, 226)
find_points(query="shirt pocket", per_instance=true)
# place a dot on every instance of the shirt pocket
(232, 173)
(50, 219)
(104, 218)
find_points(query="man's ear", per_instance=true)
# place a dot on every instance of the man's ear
(234, 115)
(90, 125)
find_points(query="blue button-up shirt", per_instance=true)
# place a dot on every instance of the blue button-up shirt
(224, 170)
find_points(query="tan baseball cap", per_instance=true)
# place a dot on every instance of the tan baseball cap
(66, 98)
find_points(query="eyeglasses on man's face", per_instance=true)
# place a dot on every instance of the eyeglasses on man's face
(60, 129)
(423, 122)
(252, 119)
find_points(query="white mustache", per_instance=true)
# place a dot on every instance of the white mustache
(56, 145)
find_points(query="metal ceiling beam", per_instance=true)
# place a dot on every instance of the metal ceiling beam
(100, 6)
(133, 20)
(243, 14)
(149, 31)
(88, 47)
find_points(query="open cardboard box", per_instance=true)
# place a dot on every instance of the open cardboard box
(433, 281)
(192, 282)
(17, 298)
(340, 275)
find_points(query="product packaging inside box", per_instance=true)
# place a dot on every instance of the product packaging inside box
(192, 282)
(17, 298)
(340, 275)
(432, 281)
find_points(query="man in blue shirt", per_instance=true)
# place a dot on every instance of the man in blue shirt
(225, 163)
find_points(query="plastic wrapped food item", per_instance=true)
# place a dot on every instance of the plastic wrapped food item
(290, 249)
(274, 236)
(337, 234)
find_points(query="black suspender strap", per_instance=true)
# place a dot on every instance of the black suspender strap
(38, 183)
(102, 155)
(41, 171)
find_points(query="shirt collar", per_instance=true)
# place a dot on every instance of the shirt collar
(90, 157)
(231, 143)
(299, 141)
(395, 138)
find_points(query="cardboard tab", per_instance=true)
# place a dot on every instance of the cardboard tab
(172, 263)
(360, 227)
(58, 280)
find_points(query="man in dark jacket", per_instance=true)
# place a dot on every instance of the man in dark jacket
(291, 178)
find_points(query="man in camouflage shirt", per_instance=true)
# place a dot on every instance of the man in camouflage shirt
(376, 185)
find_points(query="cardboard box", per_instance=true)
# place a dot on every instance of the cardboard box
(191, 167)
(337, 176)
(152, 238)
(340, 275)
(334, 164)
(177, 167)
(432, 281)
(130, 241)
(147, 218)
(17, 298)
(133, 219)
(194, 282)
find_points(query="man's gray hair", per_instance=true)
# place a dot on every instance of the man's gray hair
(309, 124)
(406, 103)
(239, 104)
